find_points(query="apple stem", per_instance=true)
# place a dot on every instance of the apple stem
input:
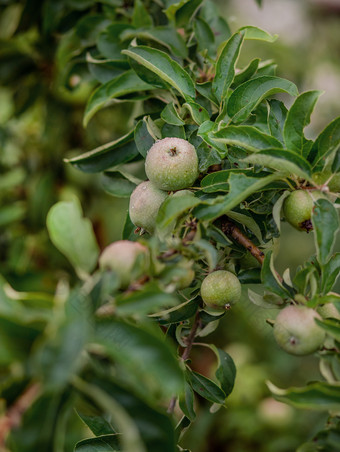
(12, 418)
(186, 353)
(230, 229)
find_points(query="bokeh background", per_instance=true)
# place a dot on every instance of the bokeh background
(41, 124)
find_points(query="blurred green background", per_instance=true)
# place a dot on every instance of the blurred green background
(41, 123)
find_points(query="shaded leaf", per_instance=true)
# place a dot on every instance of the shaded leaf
(111, 154)
(206, 388)
(143, 353)
(126, 83)
(143, 139)
(173, 207)
(324, 213)
(118, 184)
(104, 443)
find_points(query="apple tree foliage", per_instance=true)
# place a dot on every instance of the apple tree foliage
(121, 357)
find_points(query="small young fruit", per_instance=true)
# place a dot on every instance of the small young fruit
(121, 258)
(172, 164)
(297, 208)
(145, 202)
(187, 274)
(296, 331)
(220, 288)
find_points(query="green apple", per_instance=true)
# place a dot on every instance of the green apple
(121, 258)
(145, 202)
(296, 331)
(172, 164)
(220, 288)
(187, 274)
(298, 207)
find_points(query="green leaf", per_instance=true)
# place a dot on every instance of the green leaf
(162, 65)
(97, 424)
(143, 139)
(326, 224)
(241, 186)
(140, 15)
(225, 66)
(246, 73)
(105, 443)
(226, 370)
(186, 402)
(247, 137)
(218, 180)
(204, 36)
(247, 96)
(186, 12)
(206, 388)
(276, 118)
(73, 235)
(178, 313)
(109, 43)
(330, 273)
(173, 207)
(131, 440)
(270, 278)
(170, 115)
(205, 131)
(143, 353)
(331, 326)
(164, 35)
(126, 83)
(298, 118)
(327, 142)
(287, 162)
(169, 130)
(151, 299)
(110, 154)
(336, 162)
(317, 396)
(257, 33)
(207, 156)
(58, 356)
(12, 213)
(198, 113)
(155, 428)
(118, 184)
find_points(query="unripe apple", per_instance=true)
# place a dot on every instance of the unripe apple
(298, 207)
(145, 202)
(220, 288)
(172, 164)
(187, 274)
(121, 258)
(296, 331)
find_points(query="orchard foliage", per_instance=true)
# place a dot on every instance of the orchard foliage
(116, 347)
